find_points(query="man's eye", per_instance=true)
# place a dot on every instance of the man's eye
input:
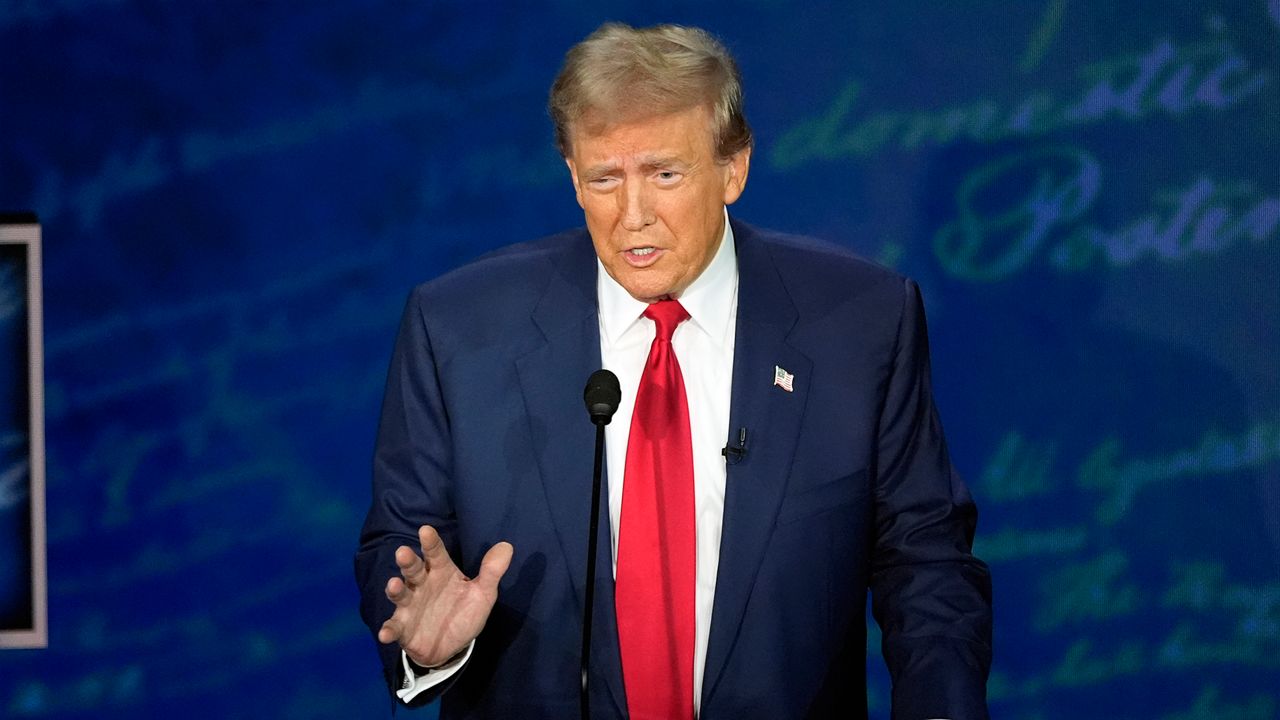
(667, 176)
(602, 183)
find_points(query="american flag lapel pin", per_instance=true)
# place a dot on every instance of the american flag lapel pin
(783, 379)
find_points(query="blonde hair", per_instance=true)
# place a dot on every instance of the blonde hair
(620, 73)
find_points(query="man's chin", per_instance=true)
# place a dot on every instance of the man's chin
(647, 285)
(650, 294)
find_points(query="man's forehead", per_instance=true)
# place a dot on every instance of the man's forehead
(651, 138)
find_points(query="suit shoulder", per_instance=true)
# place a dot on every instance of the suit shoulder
(505, 277)
(819, 271)
(844, 303)
(489, 303)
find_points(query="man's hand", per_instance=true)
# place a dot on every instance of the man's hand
(438, 610)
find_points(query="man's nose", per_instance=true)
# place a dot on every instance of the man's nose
(637, 207)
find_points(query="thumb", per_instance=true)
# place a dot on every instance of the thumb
(495, 564)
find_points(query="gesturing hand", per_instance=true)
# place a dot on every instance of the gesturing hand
(438, 609)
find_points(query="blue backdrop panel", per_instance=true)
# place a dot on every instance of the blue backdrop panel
(237, 197)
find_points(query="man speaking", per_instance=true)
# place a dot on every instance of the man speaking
(776, 451)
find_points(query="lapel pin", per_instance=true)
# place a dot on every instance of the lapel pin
(783, 379)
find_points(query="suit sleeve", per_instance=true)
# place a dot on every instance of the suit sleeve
(411, 481)
(930, 595)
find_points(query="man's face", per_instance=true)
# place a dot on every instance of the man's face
(654, 196)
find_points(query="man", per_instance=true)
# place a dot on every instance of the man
(736, 582)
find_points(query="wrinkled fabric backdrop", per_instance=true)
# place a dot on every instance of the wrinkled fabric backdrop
(238, 196)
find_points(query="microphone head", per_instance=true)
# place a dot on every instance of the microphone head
(602, 396)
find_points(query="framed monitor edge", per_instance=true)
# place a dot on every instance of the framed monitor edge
(23, 229)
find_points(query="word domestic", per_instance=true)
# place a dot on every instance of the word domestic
(1166, 79)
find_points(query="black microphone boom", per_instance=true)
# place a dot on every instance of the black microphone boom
(602, 396)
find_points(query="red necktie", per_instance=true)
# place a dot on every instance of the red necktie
(656, 550)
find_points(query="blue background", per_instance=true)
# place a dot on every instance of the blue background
(238, 196)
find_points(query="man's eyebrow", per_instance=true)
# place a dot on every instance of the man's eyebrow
(654, 162)
(600, 170)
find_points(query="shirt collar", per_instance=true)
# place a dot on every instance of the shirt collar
(709, 299)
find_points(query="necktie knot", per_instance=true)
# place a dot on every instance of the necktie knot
(666, 314)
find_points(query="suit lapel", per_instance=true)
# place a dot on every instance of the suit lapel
(754, 486)
(551, 379)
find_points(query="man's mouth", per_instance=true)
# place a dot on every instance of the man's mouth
(642, 256)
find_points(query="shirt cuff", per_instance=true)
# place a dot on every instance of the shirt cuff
(415, 684)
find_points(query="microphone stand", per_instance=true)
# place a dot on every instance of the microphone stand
(591, 563)
(602, 396)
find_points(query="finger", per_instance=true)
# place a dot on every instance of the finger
(398, 593)
(389, 632)
(495, 564)
(433, 552)
(411, 566)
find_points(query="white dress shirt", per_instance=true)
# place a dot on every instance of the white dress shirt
(704, 349)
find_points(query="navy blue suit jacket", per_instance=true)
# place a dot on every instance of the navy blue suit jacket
(846, 485)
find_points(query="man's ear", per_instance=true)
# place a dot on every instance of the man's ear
(735, 180)
(573, 175)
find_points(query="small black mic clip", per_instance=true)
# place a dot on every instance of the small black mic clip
(735, 453)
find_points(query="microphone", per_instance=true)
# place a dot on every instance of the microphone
(602, 396)
(734, 453)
